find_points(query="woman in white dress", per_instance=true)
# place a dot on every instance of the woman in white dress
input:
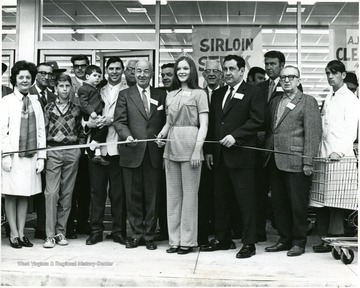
(21, 128)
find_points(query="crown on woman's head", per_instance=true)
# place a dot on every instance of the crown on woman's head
(185, 54)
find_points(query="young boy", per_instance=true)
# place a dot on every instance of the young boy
(63, 127)
(92, 106)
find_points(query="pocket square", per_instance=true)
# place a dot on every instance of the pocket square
(161, 107)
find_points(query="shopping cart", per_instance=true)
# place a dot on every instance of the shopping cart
(335, 184)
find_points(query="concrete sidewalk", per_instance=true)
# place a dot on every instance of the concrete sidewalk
(111, 264)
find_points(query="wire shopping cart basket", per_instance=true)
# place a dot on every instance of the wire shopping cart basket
(335, 183)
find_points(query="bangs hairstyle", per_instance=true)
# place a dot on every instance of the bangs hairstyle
(336, 66)
(192, 81)
(20, 66)
(92, 68)
(63, 78)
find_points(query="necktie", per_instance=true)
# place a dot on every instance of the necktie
(145, 102)
(43, 98)
(228, 99)
(271, 89)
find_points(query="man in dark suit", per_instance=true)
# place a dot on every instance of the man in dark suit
(140, 114)
(45, 96)
(293, 125)
(274, 62)
(236, 115)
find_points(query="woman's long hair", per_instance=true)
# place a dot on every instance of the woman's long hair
(192, 81)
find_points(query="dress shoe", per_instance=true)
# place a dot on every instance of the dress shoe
(94, 238)
(15, 243)
(118, 238)
(150, 245)
(232, 245)
(173, 249)
(40, 235)
(322, 248)
(184, 250)
(25, 242)
(296, 251)
(133, 242)
(246, 251)
(278, 247)
(215, 245)
(71, 234)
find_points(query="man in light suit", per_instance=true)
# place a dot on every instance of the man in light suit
(101, 176)
(236, 115)
(42, 82)
(140, 114)
(293, 126)
(79, 62)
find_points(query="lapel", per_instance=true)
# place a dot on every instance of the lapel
(136, 98)
(155, 96)
(232, 102)
(295, 101)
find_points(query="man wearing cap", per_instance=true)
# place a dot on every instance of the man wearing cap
(4, 89)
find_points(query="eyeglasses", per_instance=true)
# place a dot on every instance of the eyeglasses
(82, 66)
(44, 74)
(290, 77)
(215, 71)
(130, 69)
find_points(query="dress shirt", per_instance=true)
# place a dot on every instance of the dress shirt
(63, 106)
(39, 91)
(285, 100)
(147, 89)
(236, 87)
(210, 91)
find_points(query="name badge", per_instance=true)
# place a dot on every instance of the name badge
(153, 101)
(161, 107)
(279, 89)
(239, 96)
(291, 106)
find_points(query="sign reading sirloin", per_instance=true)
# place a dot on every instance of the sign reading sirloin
(217, 42)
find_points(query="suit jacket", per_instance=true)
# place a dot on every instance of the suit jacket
(90, 99)
(130, 120)
(74, 90)
(298, 131)
(51, 97)
(243, 118)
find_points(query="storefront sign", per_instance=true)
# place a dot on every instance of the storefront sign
(216, 43)
(344, 46)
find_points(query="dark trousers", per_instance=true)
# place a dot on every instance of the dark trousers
(262, 190)
(100, 178)
(241, 182)
(206, 205)
(39, 203)
(141, 186)
(290, 196)
(80, 207)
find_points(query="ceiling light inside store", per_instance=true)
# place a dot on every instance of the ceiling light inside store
(9, 9)
(137, 10)
(293, 9)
